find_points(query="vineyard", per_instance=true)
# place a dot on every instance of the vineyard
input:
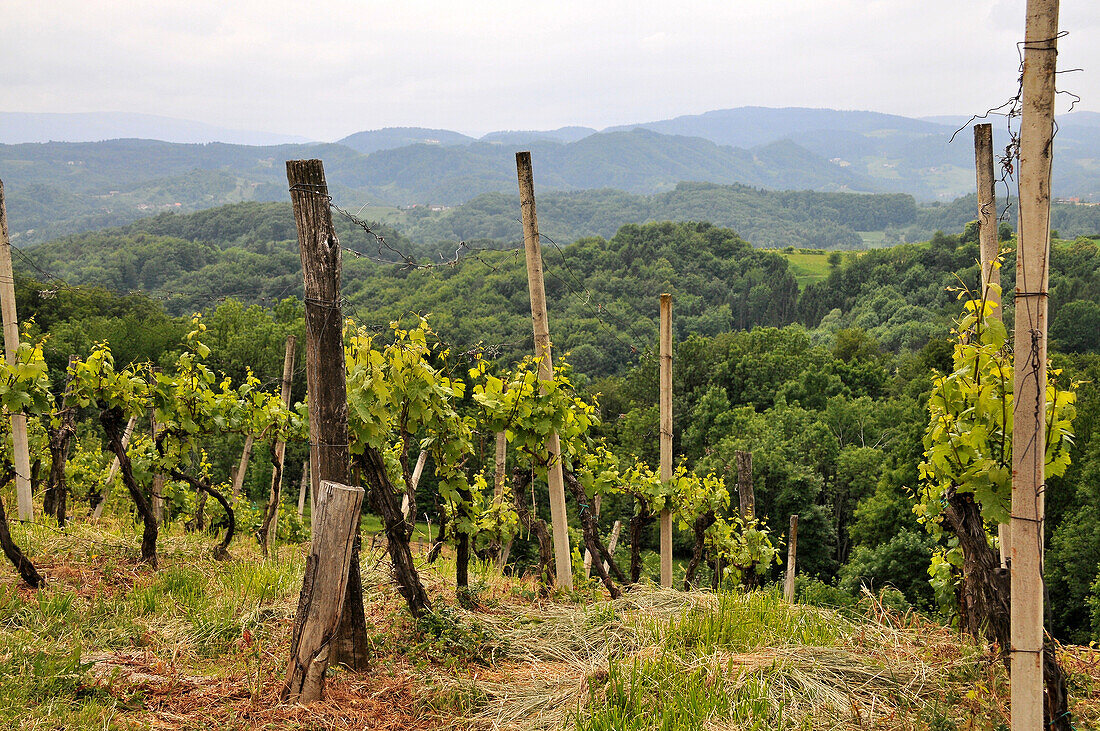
(705, 486)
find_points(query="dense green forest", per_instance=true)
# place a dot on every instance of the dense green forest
(827, 386)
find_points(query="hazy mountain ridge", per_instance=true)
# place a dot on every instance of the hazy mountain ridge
(21, 127)
(58, 188)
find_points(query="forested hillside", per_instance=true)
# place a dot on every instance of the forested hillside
(766, 218)
(827, 386)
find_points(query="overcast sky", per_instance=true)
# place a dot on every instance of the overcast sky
(327, 69)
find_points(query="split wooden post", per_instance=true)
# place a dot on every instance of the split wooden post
(563, 574)
(326, 380)
(990, 243)
(792, 547)
(98, 512)
(242, 468)
(324, 586)
(1029, 392)
(274, 497)
(988, 234)
(303, 488)
(666, 434)
(745, 491)
(414, 480)
(20, 445)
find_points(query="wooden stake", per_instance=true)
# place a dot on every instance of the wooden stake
(242, 468)
(274, 496)
(414, 480)
(666, 434)
(612, 544)
(563, 575)
(98, 512)
(326, 382)
(587, 553)
(989, 239)
(792, 547)
(20, 445)
(303, 488)
(499, 482)
(324, 587)
(1029, 396)
(745, 491)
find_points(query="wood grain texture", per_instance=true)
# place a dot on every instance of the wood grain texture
(321, 603)
(665, 399)
(563, 574)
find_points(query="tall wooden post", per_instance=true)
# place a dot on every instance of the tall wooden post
(20, 445)
(271, 522)
(987, 212)
(990, 243)
(326, 381)
(321, 604)
(1029, 392)
(562, 557)
(792, 548)
(126, 434)
(745, 492)
(666, 434)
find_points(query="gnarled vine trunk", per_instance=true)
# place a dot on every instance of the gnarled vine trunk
(274, 497)
(384, 500)
(112, 421)
(638, 523)
(985, 599)
(19, 560)
(592, 537)
(699, 527)
(521, 479)
(202, 486)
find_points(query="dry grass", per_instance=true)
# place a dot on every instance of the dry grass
(201, 644)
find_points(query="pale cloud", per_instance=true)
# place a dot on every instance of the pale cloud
(326, 70)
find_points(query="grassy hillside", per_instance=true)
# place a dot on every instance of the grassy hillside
(112, 644)
(807, 266)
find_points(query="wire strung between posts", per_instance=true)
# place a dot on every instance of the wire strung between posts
(407, 261)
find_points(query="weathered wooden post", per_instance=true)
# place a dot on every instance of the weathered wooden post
(745, 491)
(792, 547)
(271, 520)
(499, 479)
(303, 488)
(326, 380)
(321, 604)
(1030, 370)
(563, 574)
(990, 243)
(20, 446)
(242, 468)
(126, 434)
(666, 434)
